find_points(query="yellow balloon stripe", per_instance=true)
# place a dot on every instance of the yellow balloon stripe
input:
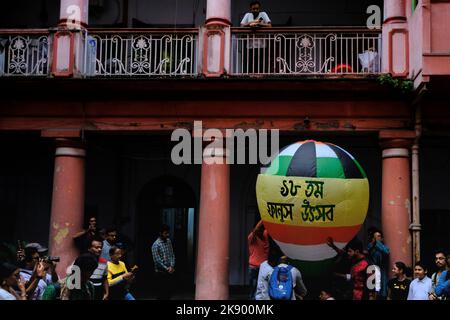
(312, 202)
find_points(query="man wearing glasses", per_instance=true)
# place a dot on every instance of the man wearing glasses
(441, 264)
(37, 273)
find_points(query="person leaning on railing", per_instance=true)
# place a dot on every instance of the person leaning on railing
(256, 18)
(256, 54)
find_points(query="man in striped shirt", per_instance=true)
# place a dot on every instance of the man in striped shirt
(164, 260)
(99, 277)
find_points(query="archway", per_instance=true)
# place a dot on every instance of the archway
(167, 200)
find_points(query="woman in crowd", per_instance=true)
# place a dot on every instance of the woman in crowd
(10, 278)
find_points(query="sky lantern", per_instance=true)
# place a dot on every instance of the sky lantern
(311, 191)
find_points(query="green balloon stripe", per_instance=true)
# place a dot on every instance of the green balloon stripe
(329, 168)
(279, 166)
(326, 167)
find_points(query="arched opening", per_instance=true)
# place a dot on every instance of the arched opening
(167, 200)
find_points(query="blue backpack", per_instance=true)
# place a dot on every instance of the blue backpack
(280, 283)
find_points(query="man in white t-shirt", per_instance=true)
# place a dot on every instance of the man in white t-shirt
(257, 60)
(256, 18)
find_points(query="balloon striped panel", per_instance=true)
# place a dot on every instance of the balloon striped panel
(350, 197)
(309, 253)
(309, 235)
(316, 159)
(312, 269)
(303, 162)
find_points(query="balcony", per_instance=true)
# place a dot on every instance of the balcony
(169, 53)
(24, 53)
(305, 52)
(141, 53)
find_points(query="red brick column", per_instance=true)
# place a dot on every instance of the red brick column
(67, 201)
(213, 238)
(396, 200)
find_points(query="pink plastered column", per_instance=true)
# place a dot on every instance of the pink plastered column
(216, 37)
(396, 200)
(68, 44)
(394, 10)
(395, 39)
(73, 13)
(218, 9)
(67, 211)
(213, 238)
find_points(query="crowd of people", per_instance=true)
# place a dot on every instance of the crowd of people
(359, 273)
(98, 273)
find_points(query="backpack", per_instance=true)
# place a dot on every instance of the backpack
(281, 286)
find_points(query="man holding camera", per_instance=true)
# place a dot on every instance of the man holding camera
(39, 271)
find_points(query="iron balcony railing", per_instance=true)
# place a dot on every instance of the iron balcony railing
(141, 53)
(24, 52)
(175, 53)
(305, 51)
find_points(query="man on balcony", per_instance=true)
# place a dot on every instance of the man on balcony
(256, 57)
(256, 18)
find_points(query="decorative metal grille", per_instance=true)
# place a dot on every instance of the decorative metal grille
(306, 53)
(24, 55)
(141, 55)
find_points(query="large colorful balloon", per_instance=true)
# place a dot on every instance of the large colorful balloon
(310, 192)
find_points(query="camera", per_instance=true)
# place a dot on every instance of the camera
(50, 259)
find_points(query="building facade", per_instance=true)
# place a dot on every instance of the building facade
(88, 110)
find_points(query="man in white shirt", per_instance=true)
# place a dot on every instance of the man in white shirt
(265, 271)
(256, 57)
(256, 18)
(421, 286)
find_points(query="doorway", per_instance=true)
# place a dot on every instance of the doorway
(166, 200)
